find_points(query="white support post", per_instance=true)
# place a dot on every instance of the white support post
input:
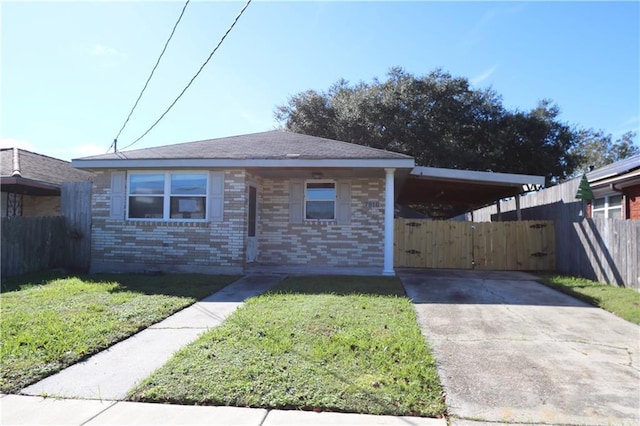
(389, 202)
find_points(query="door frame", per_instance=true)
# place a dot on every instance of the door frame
(252, 249)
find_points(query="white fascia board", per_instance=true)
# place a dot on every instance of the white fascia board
(241, 163)
(471, 175)
(622, 179)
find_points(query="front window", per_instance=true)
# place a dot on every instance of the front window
(188, 196)
(146, 196)
(320, 200)
(608, 207)
(165, 196)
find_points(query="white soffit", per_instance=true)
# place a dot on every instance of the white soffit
(509, 179)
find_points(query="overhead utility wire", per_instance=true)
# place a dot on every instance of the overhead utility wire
(150, 75)
(194, 77)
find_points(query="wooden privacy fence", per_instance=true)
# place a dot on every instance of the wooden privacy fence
(606, 250)
(518, 246)
(32, 244)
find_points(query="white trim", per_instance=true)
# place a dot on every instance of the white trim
(335, 199)
(620, 181)
(239, 163)
(389, 200)
(485, 177)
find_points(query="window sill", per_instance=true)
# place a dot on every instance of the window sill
(320, 222)
(169, 223)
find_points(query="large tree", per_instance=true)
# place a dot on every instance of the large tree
(595, 149)
(441, 121)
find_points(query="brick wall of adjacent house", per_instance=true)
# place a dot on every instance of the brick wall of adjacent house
(209, 247)
(358, 244)
(633, 202)
(40, 206)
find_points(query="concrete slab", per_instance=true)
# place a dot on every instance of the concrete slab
(133, 413)
(512, 350)
(112, 373)
(30, 410)
(310, 418)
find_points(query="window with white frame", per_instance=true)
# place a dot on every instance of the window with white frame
(609, 206)
(320, 200)
(167, 196)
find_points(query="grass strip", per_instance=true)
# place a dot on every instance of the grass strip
(50, 322)
(347, 344)
(623, 302)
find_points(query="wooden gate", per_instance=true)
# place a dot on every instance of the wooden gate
(516, 246)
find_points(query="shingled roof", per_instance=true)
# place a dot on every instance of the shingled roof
(29, 172)
(272, 145)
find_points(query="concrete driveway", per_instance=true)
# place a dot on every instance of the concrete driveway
(514, 351)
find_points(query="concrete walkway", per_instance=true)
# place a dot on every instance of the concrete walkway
(30, 410)
(510, 350)
(110, 374)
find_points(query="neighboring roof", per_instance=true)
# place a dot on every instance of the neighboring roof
(462, 189)
(623, 172)
(277, 148)
(615, 169)
(32, 173)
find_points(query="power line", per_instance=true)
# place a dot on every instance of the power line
(151, 75)
(194, 77)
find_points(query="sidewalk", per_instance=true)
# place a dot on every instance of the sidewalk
(110, 374)
(30, 410)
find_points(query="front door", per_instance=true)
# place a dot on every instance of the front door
(252, 219)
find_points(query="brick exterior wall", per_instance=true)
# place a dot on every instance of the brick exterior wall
(633, 202)
(313, 243)
(220, 247)
(144, 246)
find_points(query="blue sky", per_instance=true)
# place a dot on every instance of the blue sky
(70, 71)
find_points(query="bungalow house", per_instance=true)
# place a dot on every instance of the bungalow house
(264, 200)
(616, 188)
(30, 182)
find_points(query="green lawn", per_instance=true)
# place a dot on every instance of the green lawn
(624, 302)
(347, 344)
(50, 322)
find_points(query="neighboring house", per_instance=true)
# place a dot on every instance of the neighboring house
(30, 182)
(265, 200)
(616, 188)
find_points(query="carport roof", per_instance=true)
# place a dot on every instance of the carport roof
(463, 189)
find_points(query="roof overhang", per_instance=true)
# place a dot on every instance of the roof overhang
(619, 181)
(241, 163)
(463, 189)
(20, 185)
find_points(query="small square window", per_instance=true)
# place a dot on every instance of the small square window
(615, 201)
(320, 200)
(598, 203)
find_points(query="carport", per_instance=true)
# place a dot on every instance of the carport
(524, 246)
(465, 190)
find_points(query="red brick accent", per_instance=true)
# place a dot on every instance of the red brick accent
(632, 194)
